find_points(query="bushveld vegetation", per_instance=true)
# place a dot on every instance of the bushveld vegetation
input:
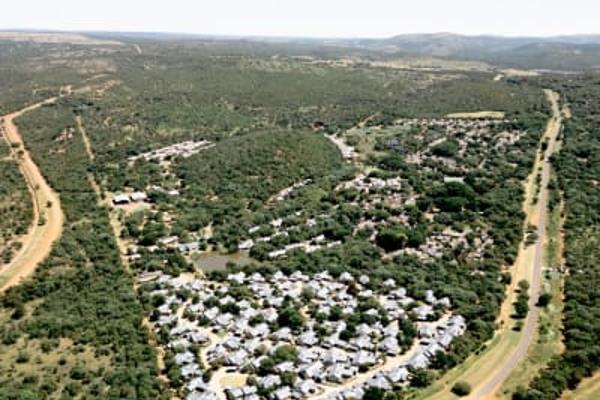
(16, 208)
(260, 112)
(578, 168)
(80, 296)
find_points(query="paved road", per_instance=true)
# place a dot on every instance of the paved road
(493, 382)
(38, 241)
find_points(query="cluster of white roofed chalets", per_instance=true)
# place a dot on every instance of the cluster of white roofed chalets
(238, 335)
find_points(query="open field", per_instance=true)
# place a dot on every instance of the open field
(55, 37)
(477, 115)
(512, 72)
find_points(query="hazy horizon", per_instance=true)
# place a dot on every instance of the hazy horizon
(276, 36)
(308, 19)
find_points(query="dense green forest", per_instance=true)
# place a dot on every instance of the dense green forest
(252, 166)
(578, 169)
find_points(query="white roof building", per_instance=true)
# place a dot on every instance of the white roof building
(139, 196)
(379, 381)
(121, 199)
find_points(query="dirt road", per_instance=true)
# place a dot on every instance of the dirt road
(487, 388)
(85, 138)
(48, 217)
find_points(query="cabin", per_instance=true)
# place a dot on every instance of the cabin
(138, 196)
(121, 199)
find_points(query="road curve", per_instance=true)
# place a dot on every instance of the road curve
(47, 221)
(487, 389)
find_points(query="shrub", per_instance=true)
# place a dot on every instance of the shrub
(544, 300)
(447, 148)
(461, 388)
(22, 357)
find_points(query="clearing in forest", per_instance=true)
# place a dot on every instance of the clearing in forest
(478, 115)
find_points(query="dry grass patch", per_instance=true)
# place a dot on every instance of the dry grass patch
(55, 37)
(588, 389)
(477, 115)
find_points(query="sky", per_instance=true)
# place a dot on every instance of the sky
(308, 18)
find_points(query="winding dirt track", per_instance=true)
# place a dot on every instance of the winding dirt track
(487, 389)
(47, 221)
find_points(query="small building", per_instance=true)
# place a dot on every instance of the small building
(379, 381)
(364, 359)
(454, 179)
(423, 312)
(390, 346)
(397, 375)
(312, 371)
(419, 361)
(306, 387)
(282, 393)
(138, 196)
(338, 373)
(354, 393)
(269, 381)
(246, 245)
(188, 247)
(426, 332)
(168, 241)
(121, 199)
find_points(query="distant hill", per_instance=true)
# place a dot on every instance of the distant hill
(559, 53)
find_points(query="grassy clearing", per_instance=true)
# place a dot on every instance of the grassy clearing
(588, 389)
(365, 139)
(475, 369)
(68, 38)
(476, 115)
